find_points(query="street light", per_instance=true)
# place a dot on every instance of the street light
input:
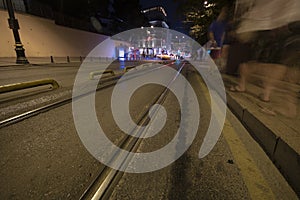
(14, 25)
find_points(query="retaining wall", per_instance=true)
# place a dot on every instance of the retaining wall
(43, 38)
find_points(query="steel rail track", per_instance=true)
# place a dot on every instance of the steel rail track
(104, 182)
(107, 82)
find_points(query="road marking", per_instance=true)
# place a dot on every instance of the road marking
(257, 186)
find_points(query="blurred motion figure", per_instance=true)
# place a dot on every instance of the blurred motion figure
(272, 28)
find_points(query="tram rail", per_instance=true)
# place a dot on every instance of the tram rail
(104, 182)
(106, 178)
(107, 82)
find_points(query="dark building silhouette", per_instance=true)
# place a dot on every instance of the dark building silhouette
(157, 16)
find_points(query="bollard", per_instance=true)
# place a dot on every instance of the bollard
(51, 59)
(68, 59)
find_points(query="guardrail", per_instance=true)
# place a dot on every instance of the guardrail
(29, 84)
(108, 71)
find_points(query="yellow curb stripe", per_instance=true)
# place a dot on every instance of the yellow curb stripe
(257, 186)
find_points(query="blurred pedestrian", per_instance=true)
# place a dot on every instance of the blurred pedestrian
(217, 28)
(229, 39)
(216, 34)
(273, 29)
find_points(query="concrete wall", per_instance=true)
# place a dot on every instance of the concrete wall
(43, 38)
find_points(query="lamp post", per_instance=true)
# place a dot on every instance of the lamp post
(14, 25)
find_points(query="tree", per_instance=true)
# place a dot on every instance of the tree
(199, 14)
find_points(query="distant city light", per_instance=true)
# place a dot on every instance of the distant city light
(208, 5)
(156, 8)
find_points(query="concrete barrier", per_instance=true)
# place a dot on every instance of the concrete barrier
(26, 85)
(126, 69)
(108, 71)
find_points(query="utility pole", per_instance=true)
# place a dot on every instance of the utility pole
(14, 25)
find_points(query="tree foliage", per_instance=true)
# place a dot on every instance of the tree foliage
(199, 14)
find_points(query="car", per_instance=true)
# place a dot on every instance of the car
(166, 56)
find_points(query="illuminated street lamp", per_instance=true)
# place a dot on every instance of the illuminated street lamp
(14, 25)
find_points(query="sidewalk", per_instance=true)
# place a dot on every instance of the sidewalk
(11, 61)
(278, 135)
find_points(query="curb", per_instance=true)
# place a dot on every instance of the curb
(284, 157)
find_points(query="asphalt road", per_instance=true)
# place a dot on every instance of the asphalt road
(43, 157)
(15, 102)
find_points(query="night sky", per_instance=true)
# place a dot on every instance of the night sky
(170, 7)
